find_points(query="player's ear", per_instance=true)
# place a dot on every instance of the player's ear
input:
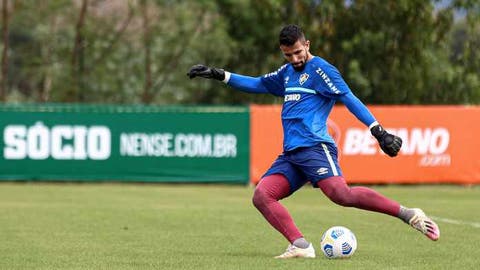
(307, 44)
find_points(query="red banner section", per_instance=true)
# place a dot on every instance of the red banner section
(439, 144)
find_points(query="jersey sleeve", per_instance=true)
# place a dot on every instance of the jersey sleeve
(357, 108)
(331, 83)
(274, 81)
(269, 83)
(245, 83)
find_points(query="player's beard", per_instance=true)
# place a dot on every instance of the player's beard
(300, 67)
(302, 63)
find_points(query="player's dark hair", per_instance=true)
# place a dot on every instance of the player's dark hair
(290, 34)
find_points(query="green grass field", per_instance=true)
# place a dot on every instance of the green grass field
(128, 226)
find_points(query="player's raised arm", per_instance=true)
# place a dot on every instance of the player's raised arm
(237, 81)
(206, 72)
(389, 143)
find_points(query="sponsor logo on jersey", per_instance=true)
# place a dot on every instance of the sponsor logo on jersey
(292, 97)
(275, 73)
(327, 80)
(303, 78)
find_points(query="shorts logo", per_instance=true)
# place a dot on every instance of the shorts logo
(303, 78)
(322, 170)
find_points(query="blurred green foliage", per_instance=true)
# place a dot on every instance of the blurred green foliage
(138, 51)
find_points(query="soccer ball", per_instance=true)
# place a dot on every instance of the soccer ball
(338, 242)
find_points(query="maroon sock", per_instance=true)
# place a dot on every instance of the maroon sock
(268, 192)
(365, 198)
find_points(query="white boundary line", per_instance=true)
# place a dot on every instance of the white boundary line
(457, 222)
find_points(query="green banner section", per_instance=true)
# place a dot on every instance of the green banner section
(127, 143)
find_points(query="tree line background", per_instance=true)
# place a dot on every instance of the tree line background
(138, 51)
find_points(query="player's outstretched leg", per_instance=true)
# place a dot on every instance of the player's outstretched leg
(268, 192)
(336, 189)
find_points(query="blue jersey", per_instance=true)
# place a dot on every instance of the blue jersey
(309, 96)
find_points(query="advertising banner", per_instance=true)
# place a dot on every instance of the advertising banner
(439, 144)
(129, 143)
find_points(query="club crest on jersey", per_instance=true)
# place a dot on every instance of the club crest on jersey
(303, 78)
(286, 79)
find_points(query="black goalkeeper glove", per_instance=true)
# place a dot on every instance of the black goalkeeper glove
(206, 72)
(389, 143)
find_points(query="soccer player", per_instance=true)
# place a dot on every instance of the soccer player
(310, 87)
